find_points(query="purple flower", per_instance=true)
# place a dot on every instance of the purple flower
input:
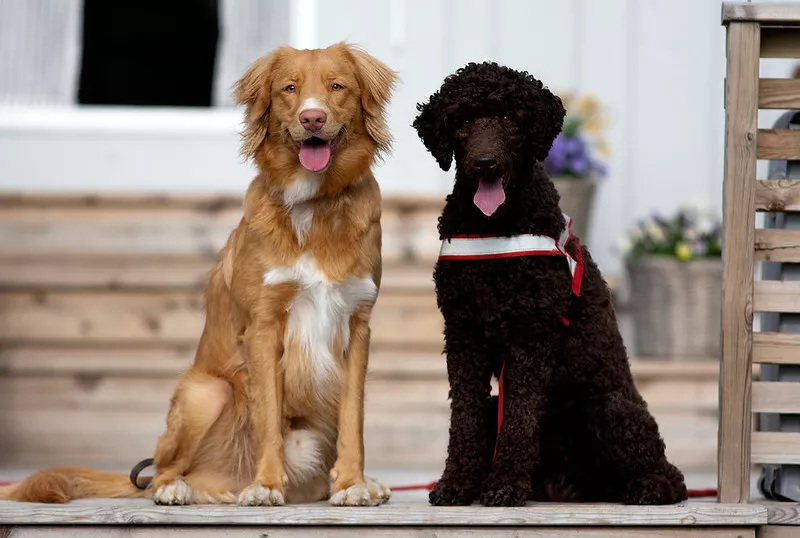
(579, 165)
(573, 146)
(699, 248)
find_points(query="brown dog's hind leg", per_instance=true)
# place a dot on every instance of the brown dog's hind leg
(197, 404)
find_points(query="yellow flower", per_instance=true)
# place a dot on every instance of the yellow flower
(587, 106)
(683, 251)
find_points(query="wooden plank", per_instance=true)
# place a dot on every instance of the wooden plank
(785, 514)
(779, 43)
(776, 447)
(169, 361)
(408, 319)
(404, 509)
(179, 273)
(767, 12)
(776, 296)
(778, 144)
(776, 397)
(428, 531)
(211, 203)
(778, 194)
(776, 348)
(779, 93)
(777, 245)
(741, 102)
(776, 531)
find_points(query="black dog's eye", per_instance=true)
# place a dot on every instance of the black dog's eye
(506, 118)
(290, 88)
(466, 122)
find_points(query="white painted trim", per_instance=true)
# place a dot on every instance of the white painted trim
(78, 119)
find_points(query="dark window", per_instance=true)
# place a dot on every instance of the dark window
(149, 52)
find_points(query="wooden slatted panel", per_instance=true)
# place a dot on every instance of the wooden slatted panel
(778, 144)
(766, 13)
(777, 245)
(778, 194)
(780, 43)
(775, 447)
(776, 397)
(741, 123)
(407, 320)
(776, 296)
(776, 348)
(779, 92)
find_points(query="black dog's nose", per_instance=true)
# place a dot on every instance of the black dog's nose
(484, 163)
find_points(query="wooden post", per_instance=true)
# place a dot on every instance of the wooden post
(741, 124)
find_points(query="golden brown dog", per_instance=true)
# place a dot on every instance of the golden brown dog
(272, 409)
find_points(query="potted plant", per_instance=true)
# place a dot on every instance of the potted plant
(577, 159)
(674, 271)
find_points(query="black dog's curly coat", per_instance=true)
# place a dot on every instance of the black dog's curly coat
(574, 425)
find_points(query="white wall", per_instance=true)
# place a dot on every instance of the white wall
(658, 65)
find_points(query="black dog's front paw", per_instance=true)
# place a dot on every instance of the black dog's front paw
(451, 493)
(501, 493)
(654, 489)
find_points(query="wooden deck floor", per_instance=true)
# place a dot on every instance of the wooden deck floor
(407, 514)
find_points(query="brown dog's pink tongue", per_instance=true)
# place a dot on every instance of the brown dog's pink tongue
(314, 156)
(490, 195)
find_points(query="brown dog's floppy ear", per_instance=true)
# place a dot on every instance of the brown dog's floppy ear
(377, 82)
(430, 126)
(253, 91)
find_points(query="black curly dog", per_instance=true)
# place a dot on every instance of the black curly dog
(574, 425)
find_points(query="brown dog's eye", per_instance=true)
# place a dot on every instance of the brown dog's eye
(337, 86)
(290, 88)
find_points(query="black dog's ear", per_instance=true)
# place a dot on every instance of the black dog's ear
(431, 128)
(546, 121)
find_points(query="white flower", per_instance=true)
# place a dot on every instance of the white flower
(690, 235)
(655, 232)
(626, 245)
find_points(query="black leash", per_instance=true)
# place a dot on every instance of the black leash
(138, 468)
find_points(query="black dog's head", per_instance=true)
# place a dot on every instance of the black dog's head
(493, 119)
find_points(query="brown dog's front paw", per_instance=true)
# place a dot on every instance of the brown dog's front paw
(498, 493)
(447, 493)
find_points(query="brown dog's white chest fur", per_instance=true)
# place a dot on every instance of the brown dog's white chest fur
(318, 324)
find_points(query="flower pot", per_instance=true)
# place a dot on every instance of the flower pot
(677, 307)
(577, 197)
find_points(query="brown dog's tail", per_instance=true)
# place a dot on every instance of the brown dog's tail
(62, 484)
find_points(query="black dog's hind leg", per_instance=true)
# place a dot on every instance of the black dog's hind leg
(629, 454)
(472, 427)
(526, 378)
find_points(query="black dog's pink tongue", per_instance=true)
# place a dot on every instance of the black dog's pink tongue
(490, 195)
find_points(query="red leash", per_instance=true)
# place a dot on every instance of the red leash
(692, 493)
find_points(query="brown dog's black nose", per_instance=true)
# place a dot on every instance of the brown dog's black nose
(485, 163)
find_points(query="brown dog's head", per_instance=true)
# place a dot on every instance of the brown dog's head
(496, 121)
(315, 113)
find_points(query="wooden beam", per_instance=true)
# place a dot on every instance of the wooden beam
(776, 296)
(776, 447)
(776, 348)
(779, 43)
(741, 104)
(776, 397)
(777, 245)
(778, 194)
(403, 509)
(767, 12)
(426, 531)
(779, 93)
(782, 144)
